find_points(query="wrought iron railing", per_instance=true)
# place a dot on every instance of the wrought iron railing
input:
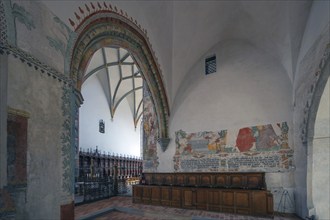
(93, 189)
(102, 176)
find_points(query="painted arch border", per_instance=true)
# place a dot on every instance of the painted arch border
(317, 90)
(106, 28)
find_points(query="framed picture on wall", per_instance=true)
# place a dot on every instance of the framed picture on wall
(101, 126)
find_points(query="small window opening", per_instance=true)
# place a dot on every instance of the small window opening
(210, 65)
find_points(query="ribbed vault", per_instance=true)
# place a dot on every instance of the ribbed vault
(119, 77)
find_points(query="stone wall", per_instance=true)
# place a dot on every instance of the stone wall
(33, 47)
(41, 33)
(41, 96)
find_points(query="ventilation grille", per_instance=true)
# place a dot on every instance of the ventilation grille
(210, 65)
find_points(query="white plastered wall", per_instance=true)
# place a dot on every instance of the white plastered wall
(120, 135)
(249, 88)
(40, 96)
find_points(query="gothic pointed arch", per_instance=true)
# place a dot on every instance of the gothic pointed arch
(316, 92)
(105, 26)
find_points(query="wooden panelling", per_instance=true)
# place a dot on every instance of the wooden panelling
(148, 178)
(270, 204)
(146, 194)
(220, 181)
(242, 199)
(189, 198)
(179, 180)
(137, 194)
(158, 179)
(228, 198)
(155, 195)
(213, 199)
(259, 202)
(255, 181)
(165, 196)
(168, 179)
(192, 180)
(206, 180)
(176, 197)
(236, 181)
(201, 198)
(241, 193)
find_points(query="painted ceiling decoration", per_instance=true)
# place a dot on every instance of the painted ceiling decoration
(88, 10)
(120, 79)
(99, 26)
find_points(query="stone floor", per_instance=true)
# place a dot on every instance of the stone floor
(122, 208)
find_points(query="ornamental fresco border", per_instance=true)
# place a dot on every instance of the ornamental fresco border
(312, 101)
(9, 14)
(67, 142)
(150, 131)
(107, 26)
(33, 62)
(256, 148)
(7, 23)
(3, 23)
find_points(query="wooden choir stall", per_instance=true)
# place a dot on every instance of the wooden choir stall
(240, 193)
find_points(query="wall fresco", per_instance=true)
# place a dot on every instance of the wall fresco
(256, 148)
(150, 133)
(37, 31)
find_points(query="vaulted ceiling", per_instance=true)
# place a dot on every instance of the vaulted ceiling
(181, 32)
(119, 77)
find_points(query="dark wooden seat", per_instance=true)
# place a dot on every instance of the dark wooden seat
(241, 193)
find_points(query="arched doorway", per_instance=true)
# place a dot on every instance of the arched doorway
(110, 116)
(111, 28)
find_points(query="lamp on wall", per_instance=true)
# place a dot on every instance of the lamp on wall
(101, 126)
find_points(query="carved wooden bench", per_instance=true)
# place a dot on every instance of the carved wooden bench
(241, 193)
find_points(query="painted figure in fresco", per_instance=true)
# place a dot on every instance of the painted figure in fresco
(245, 139)
(150, 129)
(221, 141)
(284, 136)
(187, 149)
(267, 138)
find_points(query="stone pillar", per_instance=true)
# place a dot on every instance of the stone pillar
(78, 102)
(3, 119)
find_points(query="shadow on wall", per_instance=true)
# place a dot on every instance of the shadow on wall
(240, 82)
